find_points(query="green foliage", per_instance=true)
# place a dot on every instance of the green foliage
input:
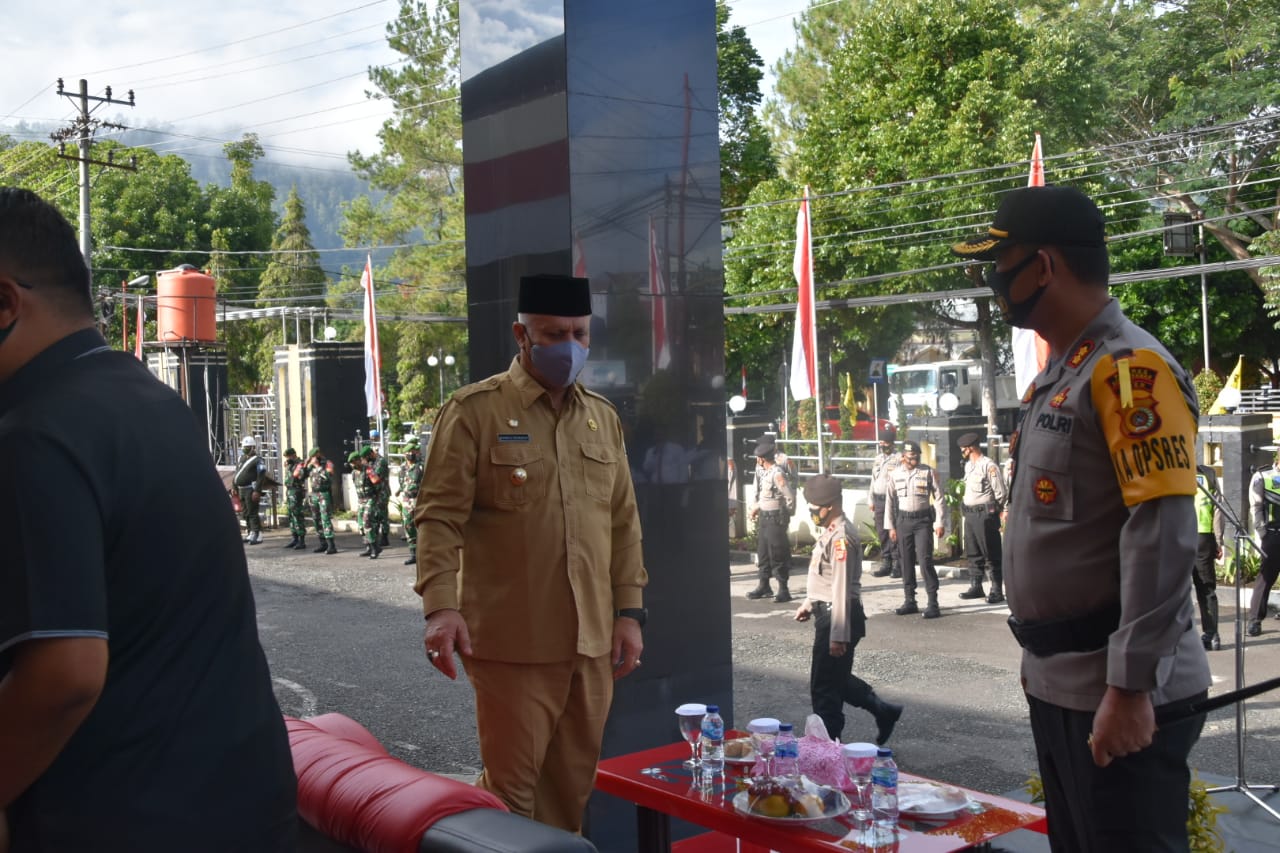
(294, 274)
(1208, 385)
(746, 156)
(1249, 561)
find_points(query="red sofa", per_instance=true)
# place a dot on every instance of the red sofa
(354, 793)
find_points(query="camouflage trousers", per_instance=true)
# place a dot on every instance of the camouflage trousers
(296, 502)
(384, 514)
(322, 514)
(372, 518)
(406, 518)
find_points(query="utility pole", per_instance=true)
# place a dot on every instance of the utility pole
(81, 129)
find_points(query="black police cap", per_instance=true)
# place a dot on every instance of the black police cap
(1039, 216)
(969, 439)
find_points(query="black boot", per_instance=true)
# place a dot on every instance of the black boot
(302, 543)
(376, 550)
(413, 558)
(883, 572)
(932, 611)
(368, 549)
(762, 590)
(975, 589)
(784, 594)
(997, 592)
(324, 546)
(908, 607)
(292, 543)
(886, 714)
(384, 541)
(332, 547)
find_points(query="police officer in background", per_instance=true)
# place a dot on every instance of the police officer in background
(914, 507)
(983, 502)
(833, 598)
(1204, 574)
(295, 485)
(771, 509)
(249, 477)
(886, 459)
(1100, 534)
(410, 477)
(1264, 504)
(320, 474)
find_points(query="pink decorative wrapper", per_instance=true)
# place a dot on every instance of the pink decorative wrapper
(820, 757)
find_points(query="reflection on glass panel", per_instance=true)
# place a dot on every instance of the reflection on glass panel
(499, 29)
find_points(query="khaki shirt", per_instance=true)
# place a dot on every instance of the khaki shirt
(913, 490)
(880, 468)
(835, 575)
(1101, 511)
(527, 520)
(983, 484)
(772, 491)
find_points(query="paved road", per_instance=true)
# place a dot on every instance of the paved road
(344, 634)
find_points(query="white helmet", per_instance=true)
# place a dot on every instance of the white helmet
(248, 441)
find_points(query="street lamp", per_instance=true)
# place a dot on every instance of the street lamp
(439, 361)
(1181, 238)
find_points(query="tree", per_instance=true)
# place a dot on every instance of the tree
(420, 169)
(746, 157)
(292, 275)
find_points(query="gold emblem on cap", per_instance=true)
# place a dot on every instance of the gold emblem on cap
(591, 424)
(513, 422)
(518, 476)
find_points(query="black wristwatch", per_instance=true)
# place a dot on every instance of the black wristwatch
(637, 613)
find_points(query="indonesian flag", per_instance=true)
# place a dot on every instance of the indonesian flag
(1030, 351)
(372, 352)
(658, 297)
(142, 318)
(804, 346)
(744, 381)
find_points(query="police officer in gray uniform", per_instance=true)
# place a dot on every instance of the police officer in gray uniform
(885, 461)
(913, 516)
(771, 510)
(1100, 535)
(982, 504)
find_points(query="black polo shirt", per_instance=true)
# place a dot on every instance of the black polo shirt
(114, 524)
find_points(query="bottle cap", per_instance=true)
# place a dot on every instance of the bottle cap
(884, 752)
(785, 727)
(713, 709)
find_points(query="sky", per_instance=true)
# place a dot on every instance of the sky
(205, 73)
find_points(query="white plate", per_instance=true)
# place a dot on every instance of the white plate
(926, 799)
(741, 804)
(749, 758)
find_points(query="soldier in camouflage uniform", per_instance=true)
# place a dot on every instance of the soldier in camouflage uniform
(382, 470)
(356, 464)
(295, 491)
(410, 477)
(320, 474)
(370, 491)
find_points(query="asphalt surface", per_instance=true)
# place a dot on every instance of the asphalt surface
(343, 633)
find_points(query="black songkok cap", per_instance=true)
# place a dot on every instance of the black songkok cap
(555, 295)
(1039, 216)
(822, 490)
(969, 439)
(765, 448)
(910, 447)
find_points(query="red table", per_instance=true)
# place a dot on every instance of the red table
(674, 794)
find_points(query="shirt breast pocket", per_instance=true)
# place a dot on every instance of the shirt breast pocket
(599, 469)
(517, 476)
(1048, 476)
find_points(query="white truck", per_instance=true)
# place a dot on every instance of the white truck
(921, 389)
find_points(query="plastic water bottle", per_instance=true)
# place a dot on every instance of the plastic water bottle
(786, 753)
(884, 795)
(713, 741)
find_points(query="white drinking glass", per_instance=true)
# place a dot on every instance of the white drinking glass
(858, 761)
(764, 734)
(690, 717)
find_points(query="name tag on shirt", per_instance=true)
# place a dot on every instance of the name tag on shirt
(514, 437)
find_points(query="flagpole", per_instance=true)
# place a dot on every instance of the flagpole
(813, 324)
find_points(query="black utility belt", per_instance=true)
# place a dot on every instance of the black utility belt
(772, 513)
(916, 513)
(1086, 633)
(982, 508)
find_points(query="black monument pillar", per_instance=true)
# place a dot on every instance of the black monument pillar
(590, 147)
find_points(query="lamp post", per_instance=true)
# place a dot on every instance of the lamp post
(1184, 236)
(439, 360)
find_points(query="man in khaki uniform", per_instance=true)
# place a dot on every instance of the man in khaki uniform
(913, 516)
(529, 559)
(1101, 535)
(886, 459)
(983, 502)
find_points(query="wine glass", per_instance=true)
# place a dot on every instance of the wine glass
(858, 761)
(764, 734)
(690, 717)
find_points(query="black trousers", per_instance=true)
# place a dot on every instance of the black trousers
(888, 550)
(832, 683)
(773, 548)
(1267, 573)
(1138, 802)
(1205, 580)
(915, 542)
(249, 509)
(982, 545)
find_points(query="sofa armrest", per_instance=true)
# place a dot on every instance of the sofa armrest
(489, 831)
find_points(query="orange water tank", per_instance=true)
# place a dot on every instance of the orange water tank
(186, 305)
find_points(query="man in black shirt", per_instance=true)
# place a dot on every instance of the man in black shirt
(178, 744)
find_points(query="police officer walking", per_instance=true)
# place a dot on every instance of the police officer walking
(249, 477)
(984, 500)
(320, 473)
(1264, 504)
(1204, 574)
(914, 505)
(295, 490)
(771, 510)
(885, 461)
(410, 478)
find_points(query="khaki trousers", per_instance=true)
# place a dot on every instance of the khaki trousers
(540, 728)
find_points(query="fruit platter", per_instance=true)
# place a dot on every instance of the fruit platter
(790, 801)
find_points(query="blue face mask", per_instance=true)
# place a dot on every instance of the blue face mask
(558, 363)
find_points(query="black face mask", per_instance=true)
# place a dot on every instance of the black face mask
(819, 517)
(1016, 314)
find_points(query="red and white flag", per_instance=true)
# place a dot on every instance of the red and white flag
(1030, 351)
(804, 346)
(658, 301)
(372, 352)
(744, 382)
(142, 319)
